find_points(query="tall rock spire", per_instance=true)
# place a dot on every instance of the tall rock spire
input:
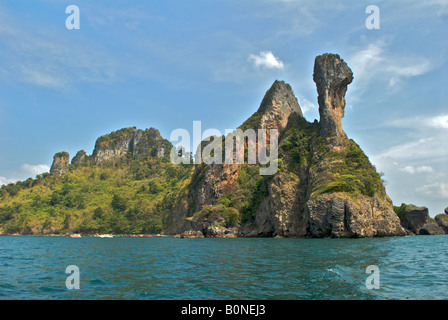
(332, 76)
(61, 163)
(278, 104)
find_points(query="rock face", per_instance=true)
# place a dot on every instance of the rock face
(417, 220)
(325, 185)
(431, 228)
(414, 218)
(61, 163)
(115, 145)
(336, 215)
(274, 112)
(216, 180)
(129, 141)
(332, 76)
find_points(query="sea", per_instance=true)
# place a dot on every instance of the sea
(168, 268)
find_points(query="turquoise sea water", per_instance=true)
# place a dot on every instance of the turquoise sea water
(211, 268)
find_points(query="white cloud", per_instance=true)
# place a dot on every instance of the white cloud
(375, 63)
(363, 62)
(4, 180)
(439, 121)
(408, 169)
(410, 68)
(420, 122)
(411, 150)
(435, 190)
(42, 79)
(419, 169)
(424, 169)
(400, 70)
(26, 171)
(266, 59)
(34, 170)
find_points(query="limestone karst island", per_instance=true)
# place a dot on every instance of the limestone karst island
(325, 186)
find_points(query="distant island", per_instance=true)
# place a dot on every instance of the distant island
(325, 186)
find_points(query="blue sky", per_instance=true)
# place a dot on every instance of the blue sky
(165, 64)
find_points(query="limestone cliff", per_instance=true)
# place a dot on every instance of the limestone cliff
(130, 141)
(113, 146)
(325, 185)
(211, 182)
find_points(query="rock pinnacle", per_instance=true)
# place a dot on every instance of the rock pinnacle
(332, 76)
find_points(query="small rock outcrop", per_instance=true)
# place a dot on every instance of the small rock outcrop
(338, 215)
(413, 218)
(211, 222)
(442, 221)
(190, 234)
(431, 228)
(80, 158)
(61, 163)
(332, 76)
(417, 220)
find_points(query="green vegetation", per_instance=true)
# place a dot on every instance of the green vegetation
(115, 137)
(252, 189)
(347, 171)
(295, 146)
(62, 154)
(128, 196)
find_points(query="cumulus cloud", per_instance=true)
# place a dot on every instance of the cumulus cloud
(439, 121)
(26, 171)
(266, 59)
(419, 169)
(34, 170)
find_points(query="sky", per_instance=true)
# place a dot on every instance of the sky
(165, 64)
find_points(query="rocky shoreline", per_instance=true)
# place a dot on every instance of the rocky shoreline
(414, 220)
